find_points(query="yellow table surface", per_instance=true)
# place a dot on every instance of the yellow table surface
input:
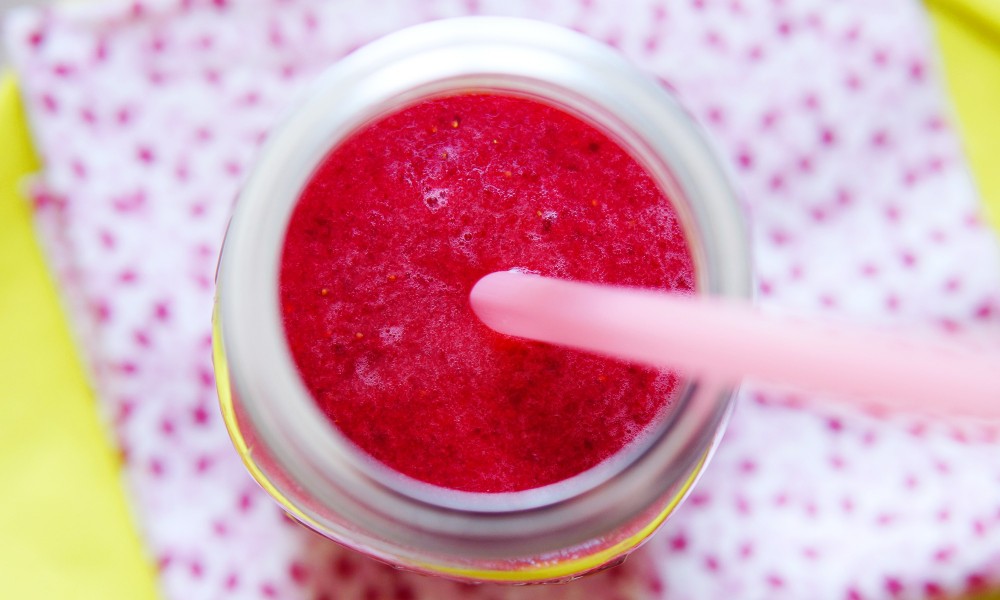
(65, 526)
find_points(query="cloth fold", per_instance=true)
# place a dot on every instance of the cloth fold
(148, 115)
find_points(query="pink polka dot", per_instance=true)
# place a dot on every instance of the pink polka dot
(142, 338)
(79, 169)
(847, 505)
(311, 20)
(742, 505)
(780, 237)
(102, 311)
(129, 203)
(123, 115)
(893, 586)
(892, 303)
(250, 98)
(945, 554)
(36, 38)
(49, 103)
(655, 585)
(777, 182)
(985, 310)
(769, 119)
(145, 154)
(908, 258)
(157, 44)
(101, 51)
(936, 123)
(126, 407)
(950, 326)
(979, 528)
(975, 583)
(699, 499)
(201, 415)
(853, 33)
(245, 502)
(161, 311)
(298, 573)
(164, 561)
(63, 69)
(711, 563)
(204, 463)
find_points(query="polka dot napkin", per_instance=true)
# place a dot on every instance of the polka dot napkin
(149, 114)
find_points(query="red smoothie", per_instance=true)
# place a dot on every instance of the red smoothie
(389, 236)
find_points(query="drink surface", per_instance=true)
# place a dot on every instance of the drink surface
(389, 236)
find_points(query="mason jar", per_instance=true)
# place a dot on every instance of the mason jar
(550, 533)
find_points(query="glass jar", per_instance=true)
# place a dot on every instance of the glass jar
(552, 533)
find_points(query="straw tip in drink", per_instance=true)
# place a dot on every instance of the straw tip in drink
(490, 296)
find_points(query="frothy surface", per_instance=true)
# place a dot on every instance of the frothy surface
(394, 229)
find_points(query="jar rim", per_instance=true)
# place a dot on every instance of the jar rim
(496, 54)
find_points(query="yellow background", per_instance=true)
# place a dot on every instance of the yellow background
(65, 526)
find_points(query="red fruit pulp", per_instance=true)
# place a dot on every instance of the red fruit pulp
(389, 236)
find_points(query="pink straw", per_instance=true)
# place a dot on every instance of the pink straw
(729, 341)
